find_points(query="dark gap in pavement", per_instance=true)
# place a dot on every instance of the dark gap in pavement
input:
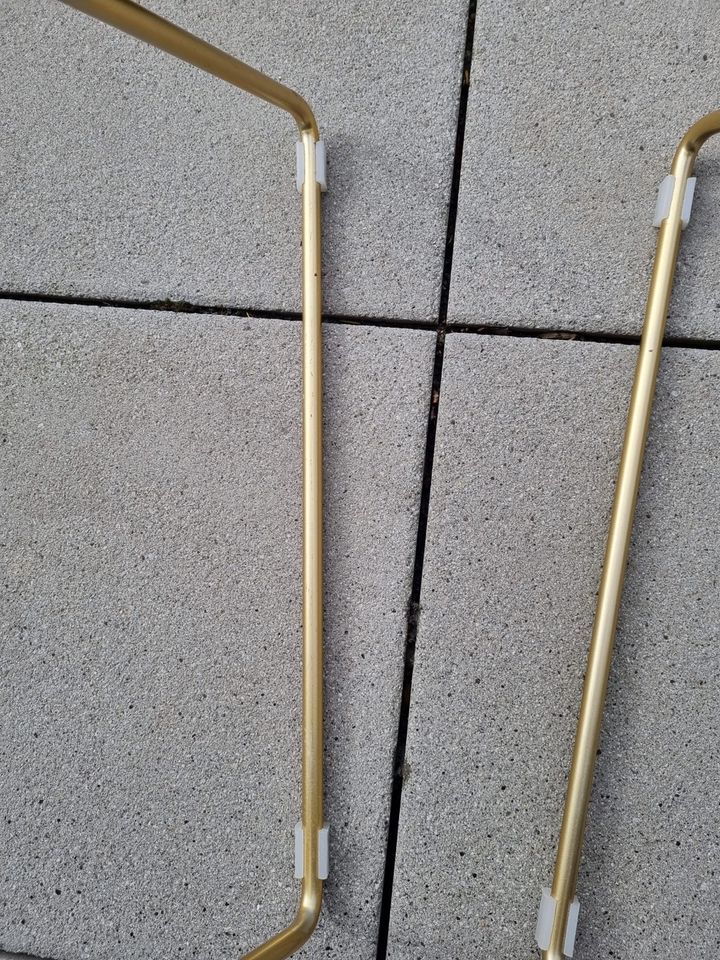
(543, 333)
(4, 955)
(395, 323)
(182, 306)
(413, 608)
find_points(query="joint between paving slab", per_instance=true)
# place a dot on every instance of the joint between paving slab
(546, 333)
(184, 307)
(340, 319)
(414, 603)
(4, 955)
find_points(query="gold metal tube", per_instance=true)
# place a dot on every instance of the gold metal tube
(308, 911)
(610, 594)
(146, 26)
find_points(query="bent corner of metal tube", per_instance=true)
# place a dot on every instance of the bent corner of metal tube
(577, 796)
(697, 134)
(132, 18)
(287, 941)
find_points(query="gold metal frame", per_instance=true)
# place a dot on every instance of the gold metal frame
(608, 604)
(147, 26)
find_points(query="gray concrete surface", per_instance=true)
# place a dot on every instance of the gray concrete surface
(150, 664)
(126, 174)
(575, 111)
(528, 444)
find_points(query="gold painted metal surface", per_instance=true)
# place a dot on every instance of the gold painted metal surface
(290, 939)
(141, 23)
(608, 604)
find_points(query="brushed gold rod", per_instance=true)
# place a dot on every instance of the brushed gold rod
(560, 906)
(147, 26)
(144, 25)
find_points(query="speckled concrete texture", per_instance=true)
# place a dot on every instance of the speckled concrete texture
(128, 174)
(575, 111)
(528, 444)
(150, 666)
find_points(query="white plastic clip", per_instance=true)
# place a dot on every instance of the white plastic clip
(546, 916)
(688, 201)
(320, 165)
(664, 199)
(299, 856)
(323, 852)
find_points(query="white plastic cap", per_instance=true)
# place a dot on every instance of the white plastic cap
(323, 852)
(546, 918)
(320, 165)
(664, 199)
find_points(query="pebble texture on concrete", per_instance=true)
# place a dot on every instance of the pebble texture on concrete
(128, 174)
(575, 111)
(521, 496)
(150, 665)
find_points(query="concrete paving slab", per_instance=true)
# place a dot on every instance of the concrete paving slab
(575, 111)
(127, 174)
(151, 659)
(520, 504)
